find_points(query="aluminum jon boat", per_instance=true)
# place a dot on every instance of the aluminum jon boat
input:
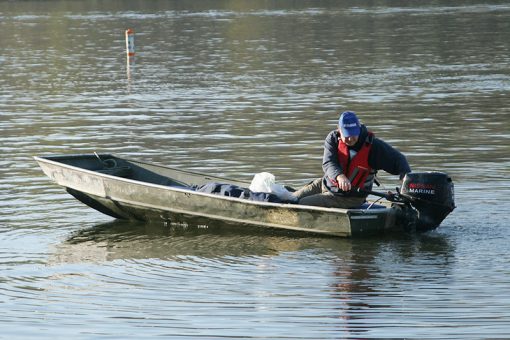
(131, 189)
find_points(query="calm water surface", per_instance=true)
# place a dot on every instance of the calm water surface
(236, 88)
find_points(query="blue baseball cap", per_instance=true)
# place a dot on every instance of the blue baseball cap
(349, 124)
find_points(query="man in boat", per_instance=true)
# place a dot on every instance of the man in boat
(352, 156)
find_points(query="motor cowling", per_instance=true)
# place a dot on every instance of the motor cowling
(431, 194)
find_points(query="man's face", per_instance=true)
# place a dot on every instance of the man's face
(350, 141)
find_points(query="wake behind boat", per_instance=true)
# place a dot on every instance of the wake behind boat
(132, 189)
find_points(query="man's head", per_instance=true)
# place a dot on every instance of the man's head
(349, 127)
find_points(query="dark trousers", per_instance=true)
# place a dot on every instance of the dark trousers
(316, 194)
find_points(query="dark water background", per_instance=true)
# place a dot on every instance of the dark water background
(234, 88)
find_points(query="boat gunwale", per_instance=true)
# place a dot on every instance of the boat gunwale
(50, 160)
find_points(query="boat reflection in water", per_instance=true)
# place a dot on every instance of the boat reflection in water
(121, 239)
(347, 280)
(126, 240)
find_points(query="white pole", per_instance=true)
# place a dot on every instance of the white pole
(130, 47)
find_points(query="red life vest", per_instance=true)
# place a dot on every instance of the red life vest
(356, 169)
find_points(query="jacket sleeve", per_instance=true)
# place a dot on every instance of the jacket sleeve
(384, 157)
(330, 163)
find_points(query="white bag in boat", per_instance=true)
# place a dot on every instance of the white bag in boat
(262, 182)
(266, 182)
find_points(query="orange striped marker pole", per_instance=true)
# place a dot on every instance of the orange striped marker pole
(130, 47)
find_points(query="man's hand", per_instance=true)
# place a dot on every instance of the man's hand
(343, 182)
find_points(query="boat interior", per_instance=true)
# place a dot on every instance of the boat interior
(160, 175)
(141, 171)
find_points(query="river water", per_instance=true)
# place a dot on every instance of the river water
(232, 89)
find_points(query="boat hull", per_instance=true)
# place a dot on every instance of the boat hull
(156, 193)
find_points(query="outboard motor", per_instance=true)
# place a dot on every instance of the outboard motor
(431, 194)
